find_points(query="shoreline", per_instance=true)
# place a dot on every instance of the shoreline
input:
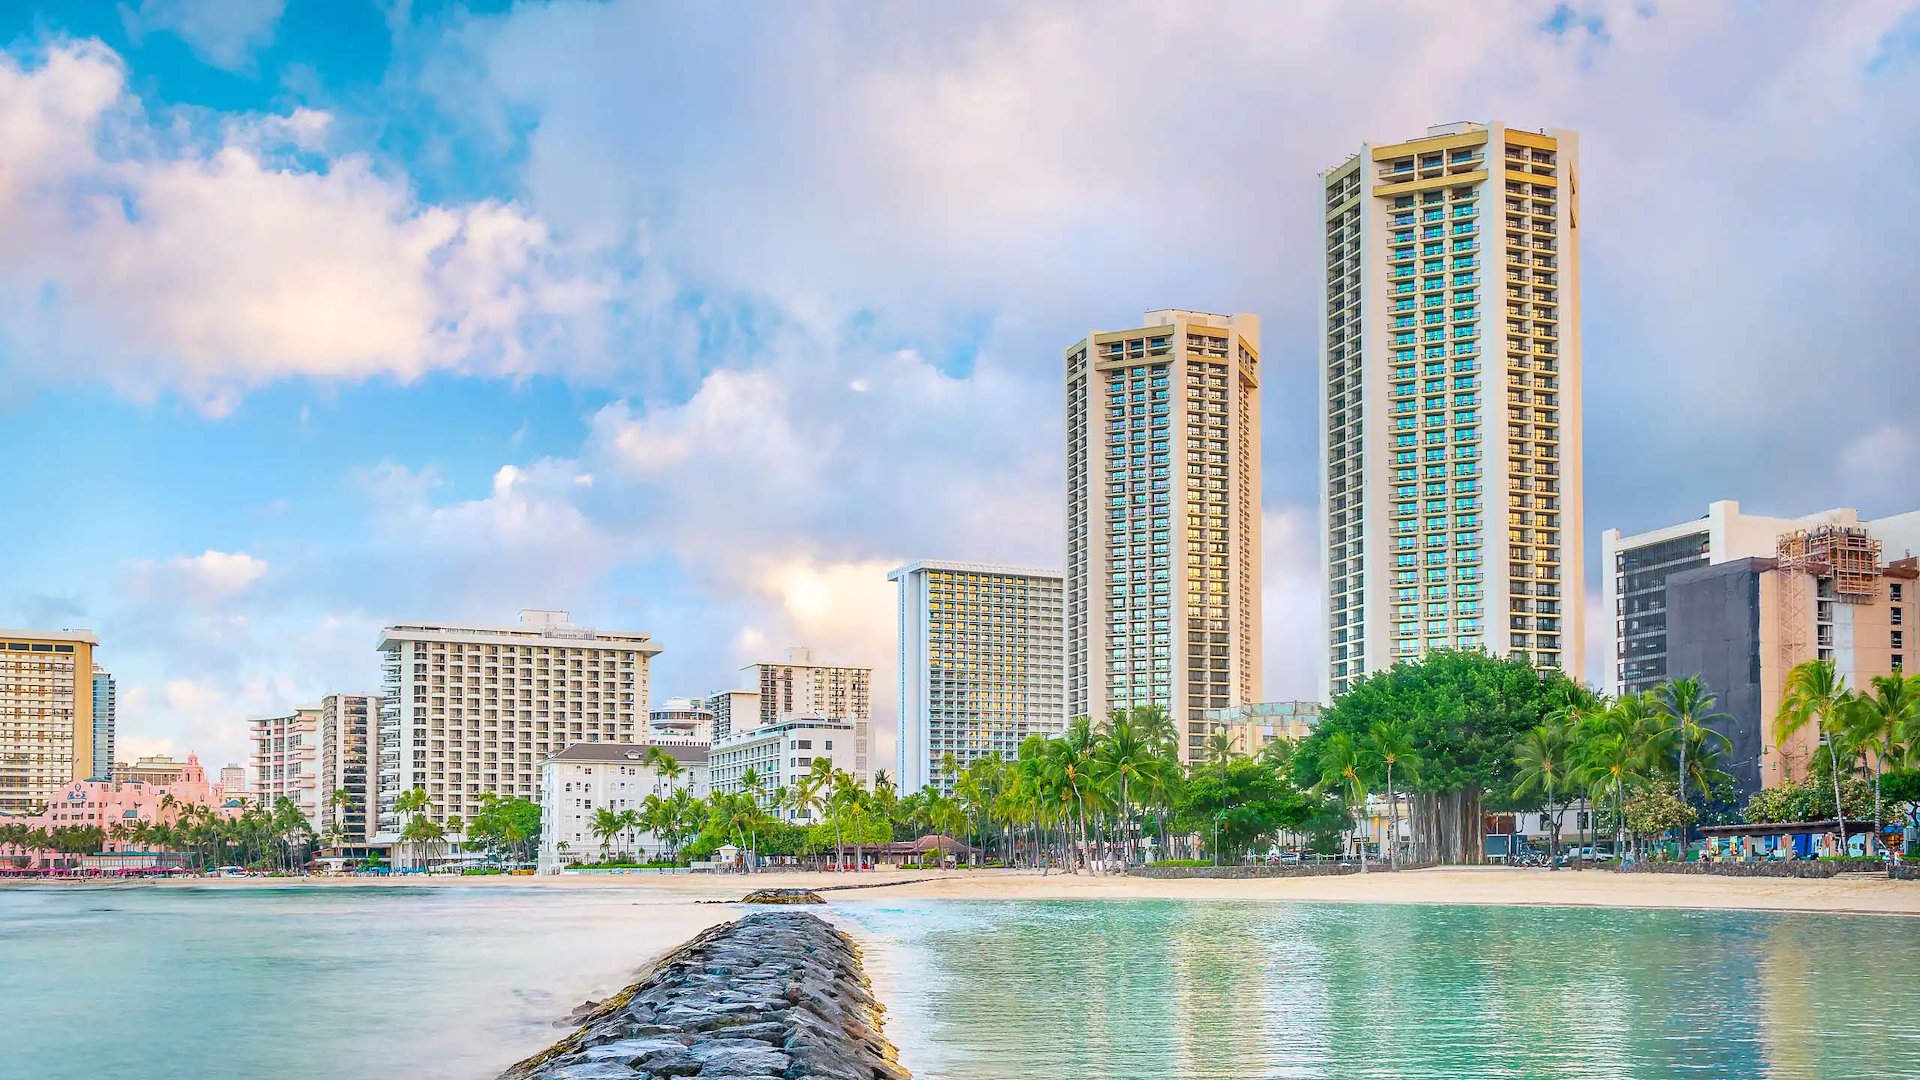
(1477, 886)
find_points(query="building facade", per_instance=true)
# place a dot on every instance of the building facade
(468, 710)
(799, 688)
(154, 770)
(1259, 723)
(734, 712)
(586, 778)
(1162, 586)
(681, 720)
(284, 761)
(233, 781)
(982, 664)
(105, 707)
(781, 755)
(347, 731)
(46, 715)
(1450, 391)
(104, 804)
(1638, 567)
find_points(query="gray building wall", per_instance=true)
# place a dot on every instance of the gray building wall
(1713, 632)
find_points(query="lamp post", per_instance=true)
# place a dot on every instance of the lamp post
(1216, 838)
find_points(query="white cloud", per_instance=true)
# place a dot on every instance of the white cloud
(161, 263)
(224, 33)
(201, 581)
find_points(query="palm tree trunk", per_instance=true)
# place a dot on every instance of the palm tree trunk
(1393, 824)
(1839, 808)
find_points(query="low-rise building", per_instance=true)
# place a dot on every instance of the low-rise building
(781, 756)
(1258, 723)
(585, 778)
(105, 804)
(681, 720)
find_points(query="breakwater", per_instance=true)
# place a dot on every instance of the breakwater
(775, 994)
(1789, 868)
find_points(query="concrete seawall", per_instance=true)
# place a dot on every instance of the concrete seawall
(775, 994)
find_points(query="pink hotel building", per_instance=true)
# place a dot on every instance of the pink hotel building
(103, 803)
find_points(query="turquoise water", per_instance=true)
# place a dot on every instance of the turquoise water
(457, 982)
(1157, 989)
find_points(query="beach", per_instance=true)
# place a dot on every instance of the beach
(1497, 886)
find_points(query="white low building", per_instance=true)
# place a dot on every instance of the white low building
(782, 755)
(586, 778)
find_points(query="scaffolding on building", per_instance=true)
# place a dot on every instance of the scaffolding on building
(1846, 558)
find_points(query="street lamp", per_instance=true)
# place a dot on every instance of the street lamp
(1216, 838)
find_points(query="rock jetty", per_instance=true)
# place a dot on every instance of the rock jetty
(775, 994)
(783, 896)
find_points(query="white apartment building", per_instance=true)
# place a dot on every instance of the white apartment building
(1163, 519)
(1450, 392)
(982, 655)
(781, 755)
(348, 723)
(1638, 566)
(734, 712)
(588, 777)
(467, 710)
(233, 782)
(681, 720)
(284, 760)
(799, 688)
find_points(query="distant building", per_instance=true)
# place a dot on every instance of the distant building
(46, 698)
(982, 654)
(681, 720)
(105, 706)
(1255, 725)
(1163, 519)
(1637, 568)
(797, 689)
(734, 712)
(471, 710)
(586, 778)
(348, 724)
(284, 756)
(105, 804)
(233, 782)
(157, 770)
(1741, 626)
(781, 755)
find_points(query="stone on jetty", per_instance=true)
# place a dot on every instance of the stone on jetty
(783, 896)
(778, 994)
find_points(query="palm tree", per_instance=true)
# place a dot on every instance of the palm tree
(339, 804)
(1222, 747)
(1122, 758)
(1817, 693)
(1545, 760)
(1340, 772)
(606, 824)
(1688, 706)
(1389, 746)
(1614, 766)
(1880, 721)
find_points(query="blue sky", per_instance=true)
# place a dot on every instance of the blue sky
(318, 315)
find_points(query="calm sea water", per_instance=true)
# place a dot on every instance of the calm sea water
(299, 983)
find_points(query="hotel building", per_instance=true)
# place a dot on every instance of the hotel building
(468, 710)
(1259, 723)
(781, 755)
(1450, 392)
(233, 782)
(46, 715)
(981, 664)
(734, 712)
(347, 727)
(105, 707)
(681, 720)
(588, 777)
(1637, 568)
(1162, 587)
(285, 761)
(154, 770)
(798, 689)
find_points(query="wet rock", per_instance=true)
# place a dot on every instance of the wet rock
(783, 896)
(778, 995)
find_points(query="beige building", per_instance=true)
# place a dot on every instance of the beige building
(1450, 386)
(156, 770)
(46, 715)
(1256, 724)
(284, 761)
(348, 727)
(981, 664)
(798, 688)
(468, 710)
(734, 712)
(1163, 519)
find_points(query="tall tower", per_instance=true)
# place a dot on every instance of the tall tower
(105, 710)
(1450, 386)
(1163, 519)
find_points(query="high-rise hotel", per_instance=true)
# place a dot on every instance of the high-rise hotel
(46, 715)
(1163, 519)
(1450, 385)
(981, 648)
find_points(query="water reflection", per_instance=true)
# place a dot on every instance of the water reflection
(1155, 989)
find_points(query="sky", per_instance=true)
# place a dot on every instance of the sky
(318, 315)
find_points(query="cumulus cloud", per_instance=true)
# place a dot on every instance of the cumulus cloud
(157, 262)
(198, 581)
(224, 33)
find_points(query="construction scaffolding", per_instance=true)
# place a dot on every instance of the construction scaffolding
(1846, 555)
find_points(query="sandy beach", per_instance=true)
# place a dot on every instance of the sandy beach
(1443, 885)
